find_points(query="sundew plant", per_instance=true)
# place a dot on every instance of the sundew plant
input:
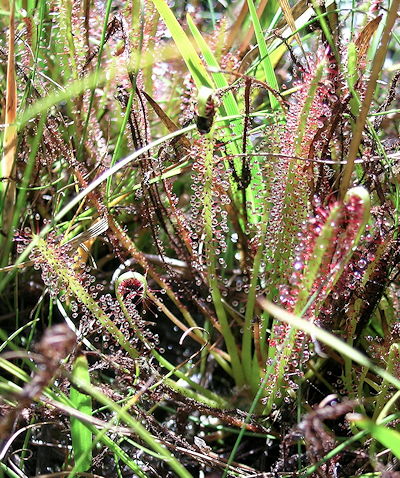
(199, 220)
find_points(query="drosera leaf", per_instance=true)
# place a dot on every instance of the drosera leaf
(199, 73)
(358, 202)
(312, 90)
(386, 436)
(81, 435)
(312, 267)
(323, 267)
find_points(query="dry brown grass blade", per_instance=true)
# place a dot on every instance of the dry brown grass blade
(298, 10)
(168, 123)
(333, 19)
(288, 14)
(364, 38)
(8, 189)
(376, 69)
(249, 35)
(236, 27)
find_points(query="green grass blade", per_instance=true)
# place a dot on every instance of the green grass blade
(328, 339)
(138, 428)
(62, 399)
(266, 62)
(81, 436)
(386, 436)
(184, 45)
(230, 104)
(340, 448)
(8, 339)
(9, 471)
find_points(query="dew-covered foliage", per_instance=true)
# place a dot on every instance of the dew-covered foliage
(169, 177)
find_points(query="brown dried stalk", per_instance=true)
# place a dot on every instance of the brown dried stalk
(8, 189)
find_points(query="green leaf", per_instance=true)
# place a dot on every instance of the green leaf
(184, 45)
(80, 434)
(229, 107)
(388, 437)
(265, 62)
(229, 103)
(327, 338)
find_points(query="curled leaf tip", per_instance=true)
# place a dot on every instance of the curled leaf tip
(131, 282)
(360, 192)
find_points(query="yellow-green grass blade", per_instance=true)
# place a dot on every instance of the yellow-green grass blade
(229, 105)
(81, 435)
(386, 436)
(184, 45)
(266, 62)
(327, 338)
(229, 102)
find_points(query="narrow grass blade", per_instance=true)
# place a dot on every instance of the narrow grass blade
(185, 47)
(229, 104)
(182, 141)
(8, 339)
(62, 399)
(250, 31)
(81, 435)
(340, 448)
(327, 338)
(229, 101)
(287, 12)
(93, 185)
(138, 428)
(266, 62)
(326, 28)
(388, 437)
